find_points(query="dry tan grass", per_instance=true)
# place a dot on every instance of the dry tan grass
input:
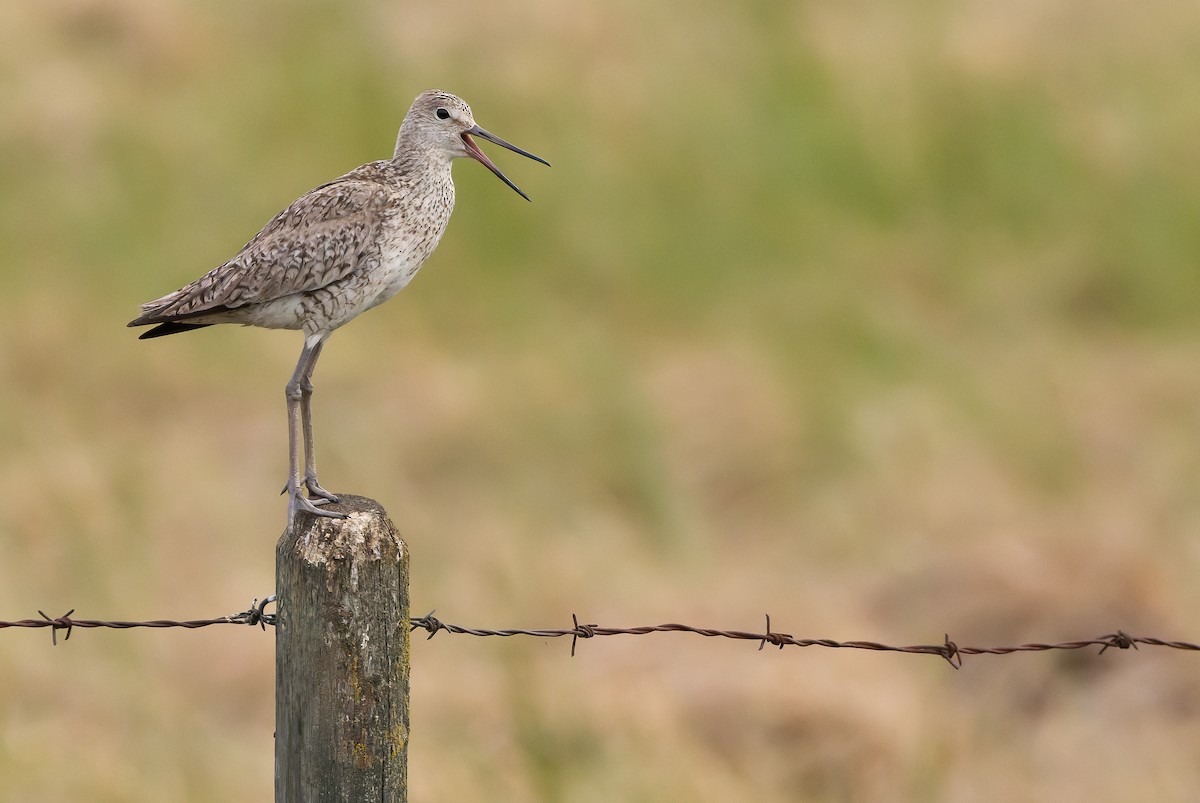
(880, 319)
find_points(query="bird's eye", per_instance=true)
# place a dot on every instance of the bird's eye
(442, 114)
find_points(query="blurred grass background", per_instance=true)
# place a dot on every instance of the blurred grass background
(878, 317)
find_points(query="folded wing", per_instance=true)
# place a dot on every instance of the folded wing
(322, 237)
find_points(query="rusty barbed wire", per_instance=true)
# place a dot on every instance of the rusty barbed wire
(948, 650)
(254, 615)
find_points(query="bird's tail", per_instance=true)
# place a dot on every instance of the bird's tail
(162, 311)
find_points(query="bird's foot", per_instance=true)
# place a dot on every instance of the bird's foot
(318, 495)
(297, 502)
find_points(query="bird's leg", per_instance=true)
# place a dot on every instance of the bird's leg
(295, 395)
(310, 452)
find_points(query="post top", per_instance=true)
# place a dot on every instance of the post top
(368, 534)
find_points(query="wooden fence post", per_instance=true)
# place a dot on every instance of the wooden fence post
(342, 658)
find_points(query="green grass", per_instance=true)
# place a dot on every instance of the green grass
(881, 319)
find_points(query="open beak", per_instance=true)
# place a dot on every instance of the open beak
(480, 157)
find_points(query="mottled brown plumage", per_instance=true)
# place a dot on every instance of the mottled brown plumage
(334, 253)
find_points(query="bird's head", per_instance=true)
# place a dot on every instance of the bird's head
(443, 123)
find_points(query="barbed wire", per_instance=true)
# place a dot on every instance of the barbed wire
(254, 615)
(948, 650)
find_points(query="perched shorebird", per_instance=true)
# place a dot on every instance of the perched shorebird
(336, 252)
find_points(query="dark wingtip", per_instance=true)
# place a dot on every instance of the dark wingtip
(169, 328)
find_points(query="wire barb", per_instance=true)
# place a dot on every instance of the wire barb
(256, 614)
(777, 639)
(1121, 640)
(427, 622)
(580, 631)
(950, 652)
(61, 623)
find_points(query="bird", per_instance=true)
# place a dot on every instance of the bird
(337, 251)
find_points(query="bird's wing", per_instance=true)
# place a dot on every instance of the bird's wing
(322, 237)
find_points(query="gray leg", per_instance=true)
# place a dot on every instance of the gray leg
(295, 395)
(310, 457)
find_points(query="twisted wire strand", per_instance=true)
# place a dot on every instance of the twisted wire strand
(948, 650)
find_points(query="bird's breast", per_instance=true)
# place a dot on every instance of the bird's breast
(403, 251)
(408, 237)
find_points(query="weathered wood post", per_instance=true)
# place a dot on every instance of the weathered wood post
(342, 658)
